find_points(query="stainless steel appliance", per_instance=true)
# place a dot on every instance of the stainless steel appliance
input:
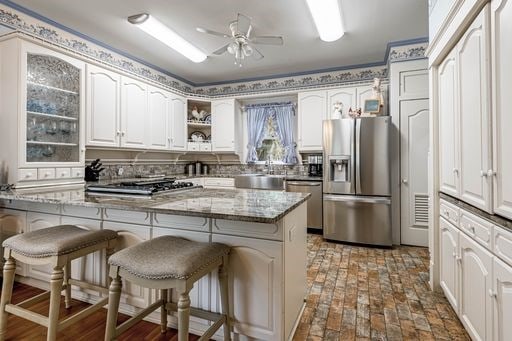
(143, 188)
(315, 165)
(357, 193)
(314, 203)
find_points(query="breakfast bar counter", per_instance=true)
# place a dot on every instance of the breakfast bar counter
(265, 229)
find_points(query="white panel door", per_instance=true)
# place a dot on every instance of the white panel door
(448, 132)
(448, 265)
(255, 285)
(502, 295)
(347, 96)
(312, 111)
(474, 114)
(223, 126)
(37, 221)
(103, 107)
(134, 113)
(475, 286)
(414, 142)
(501, 26)
(158, 114)
(178, 123)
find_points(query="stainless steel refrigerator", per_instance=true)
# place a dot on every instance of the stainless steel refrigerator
(356, 186)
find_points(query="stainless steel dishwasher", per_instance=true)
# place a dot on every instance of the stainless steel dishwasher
(315, 205)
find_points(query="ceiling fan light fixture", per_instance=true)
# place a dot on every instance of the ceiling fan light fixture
(327, 17)
(158, 30)
(248, 50)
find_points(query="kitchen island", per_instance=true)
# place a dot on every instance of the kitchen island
(266, 230)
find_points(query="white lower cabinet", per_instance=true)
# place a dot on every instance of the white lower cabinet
(449, 243)
(476, 284)
(12, 222)
(502, 296)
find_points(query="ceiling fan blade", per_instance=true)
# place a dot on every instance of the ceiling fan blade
(221, 50)
(244, 24)
(215, 33)
(267, 40)
(257, 54)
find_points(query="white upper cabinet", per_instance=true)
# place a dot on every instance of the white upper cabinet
(312, 111)
(223, 125)
(103, 107)
(158, 115)
(473, 84)
(448, 118)
(134, 113)
(347, 96)
(501, 17)
(177, 123)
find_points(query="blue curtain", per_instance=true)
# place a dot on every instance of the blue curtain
(283, 115)
(256, 117)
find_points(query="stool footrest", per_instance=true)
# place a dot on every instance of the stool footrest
(34, 300)
(82, 313)
(86, 285)
(27, 314)
(137, 317)
(196, 312)
(213, 328)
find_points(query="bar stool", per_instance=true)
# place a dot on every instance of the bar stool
(167, 263)
(56, 246)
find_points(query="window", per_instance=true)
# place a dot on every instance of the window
(271, 147)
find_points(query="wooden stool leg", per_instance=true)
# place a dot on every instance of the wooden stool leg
(55, 293)
(67, 276)
(163, 311)
(224, 297)
(8, 282)
(183, 316)
(114, 296)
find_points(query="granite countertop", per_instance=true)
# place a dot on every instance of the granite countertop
(232, 204)
(184, 177)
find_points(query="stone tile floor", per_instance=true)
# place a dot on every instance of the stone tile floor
(364, 293)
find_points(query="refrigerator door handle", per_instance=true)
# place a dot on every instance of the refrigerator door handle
(358, 156)
(357, 199)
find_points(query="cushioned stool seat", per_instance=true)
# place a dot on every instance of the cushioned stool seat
(56, 246)
(168, 257)
(165, 263)
(56, 241)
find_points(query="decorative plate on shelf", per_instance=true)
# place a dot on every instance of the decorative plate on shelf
(208, 138)
(207, 119)
(197, 136)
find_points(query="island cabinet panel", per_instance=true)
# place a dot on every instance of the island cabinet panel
(200, 294)
(132, 217)
(90, 268)
(128, 235)
(255, 284)
(181, 222)
(247, 229)
(37, 221)
(82, 212)
(12, 222)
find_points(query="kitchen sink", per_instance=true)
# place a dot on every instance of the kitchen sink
(260, 181)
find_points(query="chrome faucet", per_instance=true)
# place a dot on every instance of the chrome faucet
(269, 166)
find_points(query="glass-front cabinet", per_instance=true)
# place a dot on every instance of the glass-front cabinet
(45, 98)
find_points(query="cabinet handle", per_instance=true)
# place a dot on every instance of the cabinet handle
(454, 254)
(456, 171)
(493, 294)
(122, 133)
(483, 174)
(458, 259)
(118, 132)
(491, 172)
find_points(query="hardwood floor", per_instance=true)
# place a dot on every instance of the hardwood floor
(354, 293)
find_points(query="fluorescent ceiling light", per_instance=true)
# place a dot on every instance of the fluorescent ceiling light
(327, 17)
(155, 28)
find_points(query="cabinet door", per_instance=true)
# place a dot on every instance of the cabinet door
(12, 222)
(158, 115)
(255, 284)
(448, 132)
(223, 126)
(312, 111)
(103, 107)
(448, 266)
(474, 113)
(501, 17)
(178, 123)
(38, 221)
(134, 113)
(346, 96)
(502, 294)
(475, 286)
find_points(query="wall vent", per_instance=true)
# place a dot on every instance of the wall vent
(421, 209)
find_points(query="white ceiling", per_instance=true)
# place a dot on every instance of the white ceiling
(369, 26)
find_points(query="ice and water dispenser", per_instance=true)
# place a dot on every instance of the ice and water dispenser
(339, 169)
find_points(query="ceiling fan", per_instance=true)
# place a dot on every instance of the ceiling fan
(241, 44)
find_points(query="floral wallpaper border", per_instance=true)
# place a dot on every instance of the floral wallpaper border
(51, 34)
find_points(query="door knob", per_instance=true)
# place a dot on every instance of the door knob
(404, 181)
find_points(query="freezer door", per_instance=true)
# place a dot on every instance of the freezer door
(373, 157)
(339, 161)
(355, 219)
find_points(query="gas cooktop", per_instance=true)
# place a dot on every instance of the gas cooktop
(149, 187)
